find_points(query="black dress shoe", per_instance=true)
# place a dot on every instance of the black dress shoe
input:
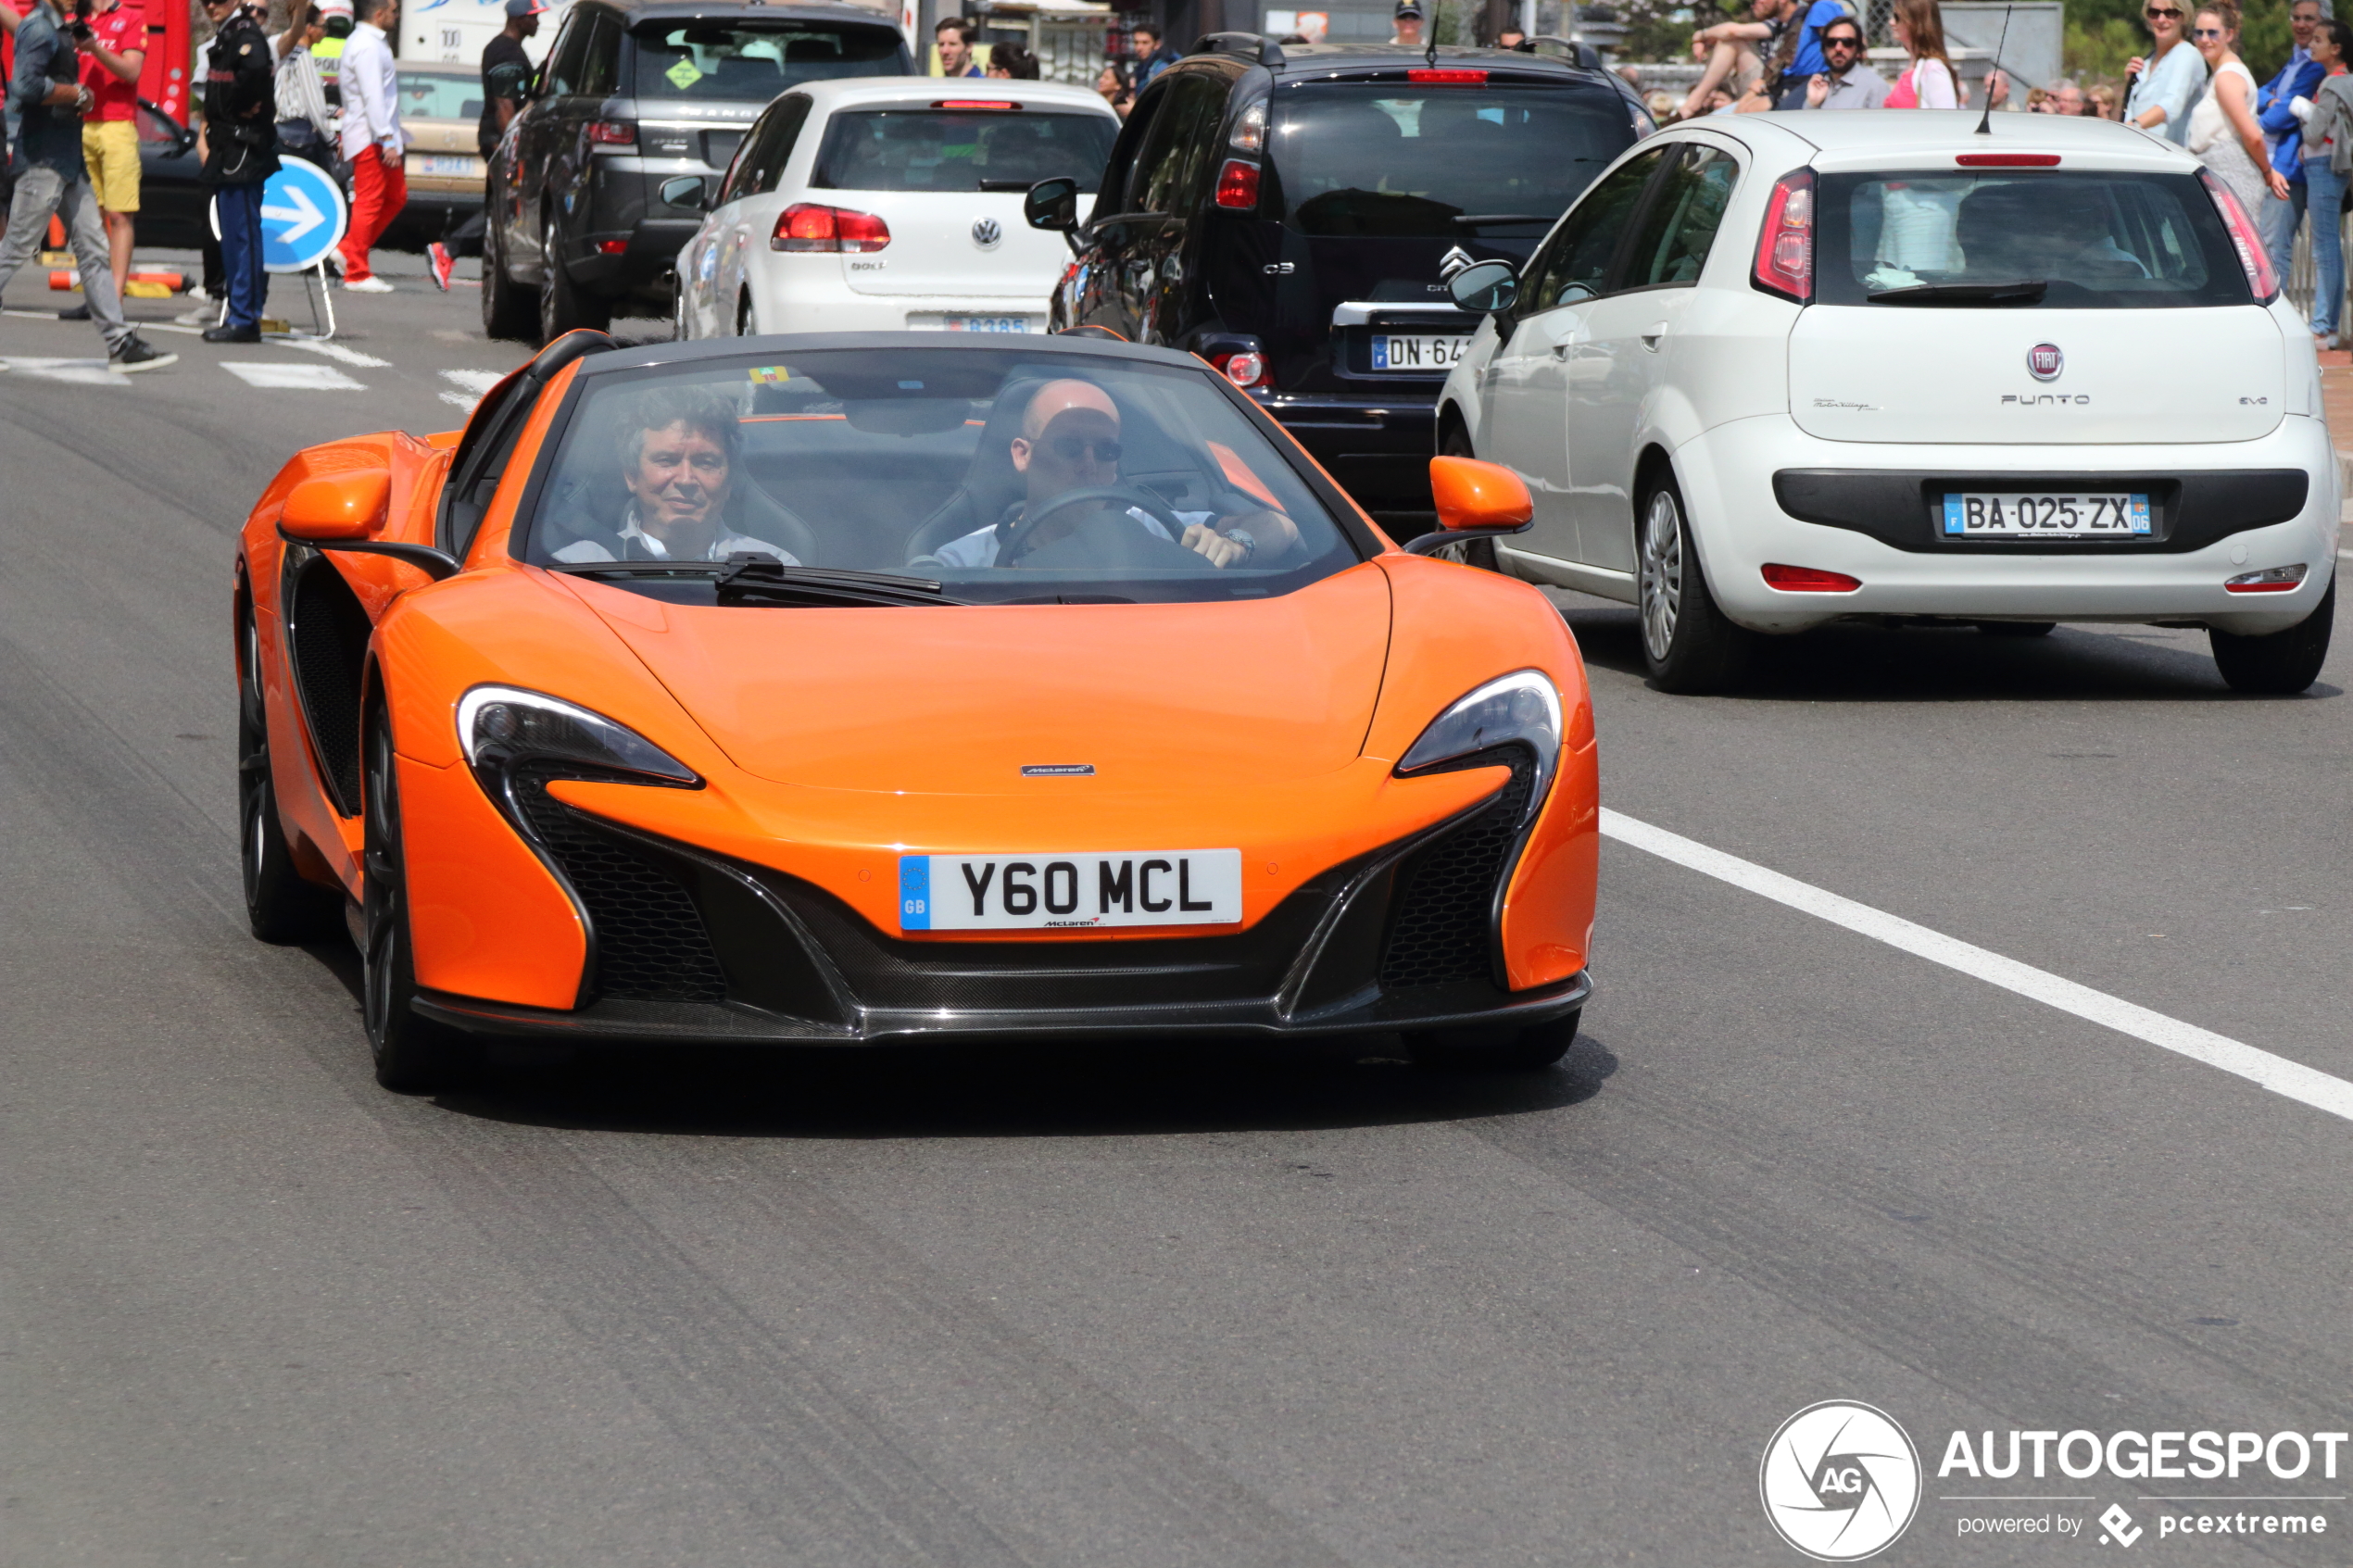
(78, 313)
(233, 334)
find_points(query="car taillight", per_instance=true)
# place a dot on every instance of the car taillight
(1245, 369)
(612, 247)
(997, 105)
(2254, 260)
(809, 226)
(1237, 185)
(1807, 579)
(2278, 580)
(2005, 160)
(614, 132)
(1785, 249)
(1448, 78)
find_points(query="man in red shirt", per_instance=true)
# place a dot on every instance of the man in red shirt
(111, 57)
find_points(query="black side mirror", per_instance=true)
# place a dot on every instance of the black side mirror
(686, 190)
(1051, 205)
(1487, 288)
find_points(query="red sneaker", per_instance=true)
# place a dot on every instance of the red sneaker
(438, 258)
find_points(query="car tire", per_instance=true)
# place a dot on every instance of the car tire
(280, 906)
(1495, 1050)
(1688, 647)
(2282, 663)
(562, 307)
(2018, 628)
(413, 1055)
(509, 310)
(1479, 553)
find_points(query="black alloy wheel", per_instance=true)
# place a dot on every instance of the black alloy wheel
(1495, 1050)
(1479, 553)
(2282, 663)
(280, 906)
(413, 1055)
(1688, 647)
(562, 307)
(508, 310)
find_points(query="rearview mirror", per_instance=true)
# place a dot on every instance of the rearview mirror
(337, 505)
(1475, 495)
(1485, 287)
(685, 191)
(1051, 205)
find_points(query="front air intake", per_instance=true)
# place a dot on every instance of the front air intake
(1442, 924)
(651, 943)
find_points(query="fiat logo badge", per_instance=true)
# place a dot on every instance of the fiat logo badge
(986, 234)
(2044, 361)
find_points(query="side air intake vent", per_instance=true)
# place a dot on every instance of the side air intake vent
(330, 630)
(651, 944)
(1442, 928)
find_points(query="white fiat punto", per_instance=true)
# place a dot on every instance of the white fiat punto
(1775, 369)
(888, 203)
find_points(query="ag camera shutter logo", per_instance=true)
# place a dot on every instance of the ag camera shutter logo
(1840, 1481)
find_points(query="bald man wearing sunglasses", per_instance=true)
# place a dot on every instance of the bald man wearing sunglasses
(1069, 444)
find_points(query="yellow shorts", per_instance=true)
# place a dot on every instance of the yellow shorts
(112, 149)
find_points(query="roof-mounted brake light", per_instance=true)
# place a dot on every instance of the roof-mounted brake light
(2006, 161)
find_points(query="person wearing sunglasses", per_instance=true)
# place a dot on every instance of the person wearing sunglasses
(1847, 79)
(1069, 443)
(2224, 134)
(2169, 79)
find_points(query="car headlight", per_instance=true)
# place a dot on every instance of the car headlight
(1519, 710)
(503, 727)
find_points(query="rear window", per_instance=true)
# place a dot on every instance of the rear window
(943, 150)
(430, 95)
(1377, 159)
(2097, 239)
(753, 63)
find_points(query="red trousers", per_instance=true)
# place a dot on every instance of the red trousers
(379, 190)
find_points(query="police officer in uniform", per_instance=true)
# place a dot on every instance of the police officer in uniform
(241, 151)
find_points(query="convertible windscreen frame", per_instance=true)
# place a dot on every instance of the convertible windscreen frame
(660, 361)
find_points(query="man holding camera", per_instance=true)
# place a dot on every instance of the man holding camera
(47, 92)
(113, 41)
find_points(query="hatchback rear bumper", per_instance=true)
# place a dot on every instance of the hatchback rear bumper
(1762, 492)
(1377, 448)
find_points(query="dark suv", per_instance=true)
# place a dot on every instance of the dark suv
(1291, 215)
(634, 95)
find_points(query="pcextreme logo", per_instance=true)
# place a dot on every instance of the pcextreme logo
(1840, 1481)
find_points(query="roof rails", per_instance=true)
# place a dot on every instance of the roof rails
(1576, 51)
(1255, 44)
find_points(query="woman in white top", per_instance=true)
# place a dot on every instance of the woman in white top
(2224, 134)
(2167, 81)
(1928, 82)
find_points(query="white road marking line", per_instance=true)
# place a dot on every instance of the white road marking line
(279, 376)
(81, 372)
(471, 384)
(2276, 1073)
(332, 351)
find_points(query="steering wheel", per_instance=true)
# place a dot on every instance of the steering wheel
(1122, 496)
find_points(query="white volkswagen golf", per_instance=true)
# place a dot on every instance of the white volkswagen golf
(882, 204)
(1775, 369)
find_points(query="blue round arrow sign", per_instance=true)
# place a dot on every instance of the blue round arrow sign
(303, 217)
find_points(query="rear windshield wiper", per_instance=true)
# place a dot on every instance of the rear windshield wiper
(749, 578)
(2018, 291)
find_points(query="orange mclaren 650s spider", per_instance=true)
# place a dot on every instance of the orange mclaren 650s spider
(888, 688)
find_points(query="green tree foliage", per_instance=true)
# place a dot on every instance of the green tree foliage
(2103, 34)
(1661, 29)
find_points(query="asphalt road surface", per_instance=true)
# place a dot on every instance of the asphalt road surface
(1157, 1307)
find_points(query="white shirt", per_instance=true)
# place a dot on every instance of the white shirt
(979, 548)
(301, 94)
(371, 94)
(584, 550)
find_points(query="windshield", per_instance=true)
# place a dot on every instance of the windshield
(942, 150)
(753, 63)
(2103, 240)
(1002, 475)
(430, 95)
(1399, 160)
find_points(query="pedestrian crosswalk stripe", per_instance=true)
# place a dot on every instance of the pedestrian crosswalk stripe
(85, 373)
(279, 376)
(336, 351)
(472, 385)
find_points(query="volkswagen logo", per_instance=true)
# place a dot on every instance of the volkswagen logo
(2044, 361)
(986, 234)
